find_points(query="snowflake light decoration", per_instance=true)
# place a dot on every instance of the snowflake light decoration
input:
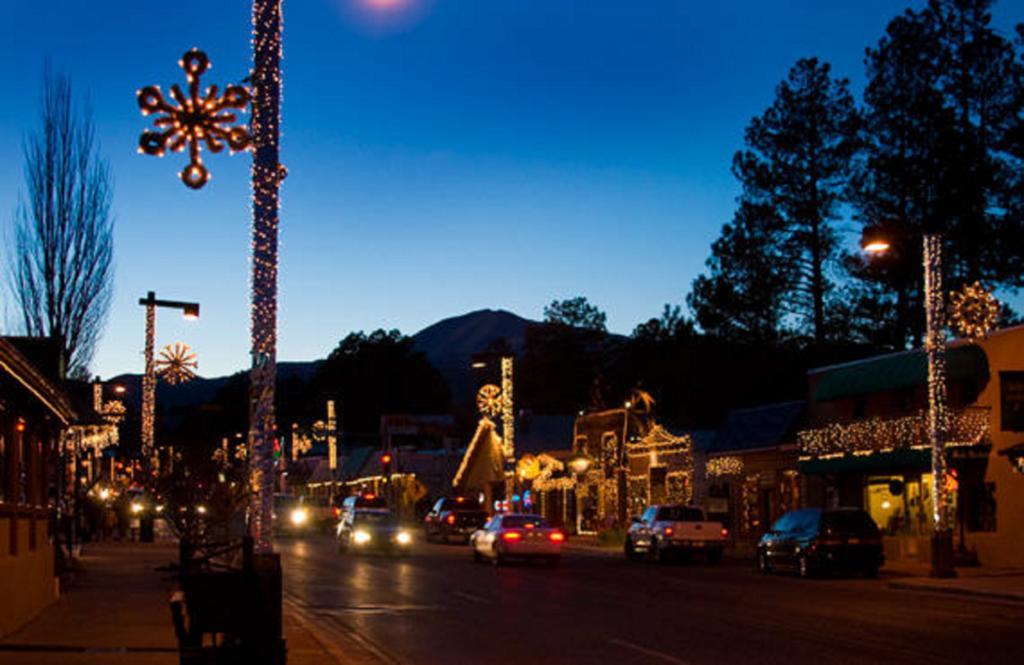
(489, 400)
(975, 311)
(193, 119)
(177, 364)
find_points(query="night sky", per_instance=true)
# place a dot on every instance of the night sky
(443, 156)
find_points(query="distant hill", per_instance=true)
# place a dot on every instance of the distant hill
(449, 345)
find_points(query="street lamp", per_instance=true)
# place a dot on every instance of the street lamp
(874, 241)
(190, 311)
(578, 464)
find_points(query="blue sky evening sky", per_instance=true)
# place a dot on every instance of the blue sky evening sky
(444, 155)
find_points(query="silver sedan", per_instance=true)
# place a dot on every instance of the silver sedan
(517, 536)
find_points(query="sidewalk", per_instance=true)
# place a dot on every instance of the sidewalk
(116, 611)
(999, 584)
(590, 546)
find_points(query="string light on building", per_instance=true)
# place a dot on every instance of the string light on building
(189, 120)
(726, 465)
(968, 427)
(974, 311)
(177, 364)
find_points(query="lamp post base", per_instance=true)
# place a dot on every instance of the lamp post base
(942, 554)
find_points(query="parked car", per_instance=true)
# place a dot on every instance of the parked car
(366, 529)
(662, 531)
(453, 518)
(517, 536)
(815, 540)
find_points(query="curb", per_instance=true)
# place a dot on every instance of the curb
(958, 591)
(604, 552)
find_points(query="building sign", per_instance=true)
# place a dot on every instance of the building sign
(1011, 388)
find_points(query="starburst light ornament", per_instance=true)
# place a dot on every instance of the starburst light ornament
(177, 364)
(489, 400)
(192, 119)
(975, 311)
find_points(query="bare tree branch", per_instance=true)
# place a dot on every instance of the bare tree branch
(60, 267)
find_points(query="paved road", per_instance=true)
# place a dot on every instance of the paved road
(439, 607)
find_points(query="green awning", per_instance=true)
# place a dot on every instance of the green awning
(910, 459)
(898, 371)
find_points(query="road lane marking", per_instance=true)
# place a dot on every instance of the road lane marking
(648, 652)
(376, 654)
(471, 598)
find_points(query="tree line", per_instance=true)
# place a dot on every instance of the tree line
(935, 144)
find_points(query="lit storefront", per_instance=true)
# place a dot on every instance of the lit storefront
(867, 445)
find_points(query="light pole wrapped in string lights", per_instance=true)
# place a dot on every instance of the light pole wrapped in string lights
(205, 117)
(875, 241)
(267, 173)
(190, 311)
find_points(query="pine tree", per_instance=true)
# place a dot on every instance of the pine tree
(740, 298)
(941, 151)
(794, 173)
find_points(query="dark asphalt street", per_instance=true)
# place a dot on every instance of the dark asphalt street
(437, 606)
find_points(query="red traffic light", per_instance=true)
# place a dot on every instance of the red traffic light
(385, 459)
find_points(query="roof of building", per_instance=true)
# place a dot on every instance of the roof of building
(703, 439)
(759, 427)
(485, 442)
(20, 369)
(353, 461)
(897, 371)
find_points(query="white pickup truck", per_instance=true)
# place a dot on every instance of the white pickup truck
(665, 530)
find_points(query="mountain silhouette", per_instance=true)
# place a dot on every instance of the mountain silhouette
(448, 344)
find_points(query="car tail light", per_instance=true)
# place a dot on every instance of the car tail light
(450, 519)
(557, 537)
(511, 536)
(528, 526)
(669, 531)
(725, 532)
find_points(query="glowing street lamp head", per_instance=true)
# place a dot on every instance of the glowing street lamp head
(875, 241)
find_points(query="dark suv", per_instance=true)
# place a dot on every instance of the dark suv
(815, 540)
(454, 518)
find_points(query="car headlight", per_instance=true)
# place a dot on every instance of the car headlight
(403, 538)
(361, 537)
(299, 516)
(137, 507)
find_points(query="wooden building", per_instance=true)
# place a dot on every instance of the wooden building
(750, 470)
(34, 413)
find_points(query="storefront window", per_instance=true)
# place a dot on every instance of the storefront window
(902, 504)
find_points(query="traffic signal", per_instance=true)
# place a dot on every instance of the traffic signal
(385, 463)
